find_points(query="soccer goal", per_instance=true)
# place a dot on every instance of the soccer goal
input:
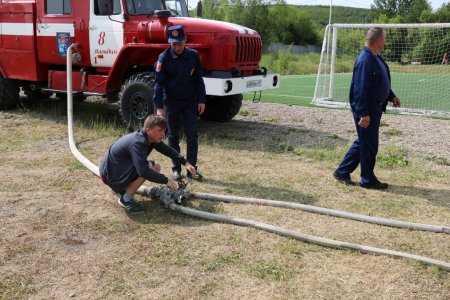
(416, 55)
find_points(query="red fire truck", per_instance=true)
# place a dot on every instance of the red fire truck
(118, 43)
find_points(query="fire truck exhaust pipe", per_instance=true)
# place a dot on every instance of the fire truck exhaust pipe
(169, 200)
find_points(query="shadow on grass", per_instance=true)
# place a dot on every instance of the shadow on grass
(156, 213)
(89, 112)
(265, 136)
(437, 197)
(253, 190)
(237, 134)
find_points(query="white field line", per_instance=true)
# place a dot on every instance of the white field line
(291, 96)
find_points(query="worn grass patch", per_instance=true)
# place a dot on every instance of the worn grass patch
(66, 237)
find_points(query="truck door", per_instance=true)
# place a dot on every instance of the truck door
(106, 31)
(55, 30)
(60, 23)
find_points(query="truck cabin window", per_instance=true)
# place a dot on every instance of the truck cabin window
(58, 7)
(177, 8)
(107, 7)
(143, 7)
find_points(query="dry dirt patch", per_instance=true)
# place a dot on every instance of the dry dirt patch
(63, 235)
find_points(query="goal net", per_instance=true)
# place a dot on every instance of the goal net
(415, 53)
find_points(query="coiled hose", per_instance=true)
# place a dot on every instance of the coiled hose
(249, 223)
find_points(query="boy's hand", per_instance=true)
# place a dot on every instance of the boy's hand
(172, 184)
(190, 168)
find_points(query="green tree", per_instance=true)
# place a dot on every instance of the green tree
(410, 10)
(442, 15)
(214, 9)
(293, 25)
(430, 47)
(390, 8)
(414, 11)
(252, 14)
(351, 41)
(249, 13)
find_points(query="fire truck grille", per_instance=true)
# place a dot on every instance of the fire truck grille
(248, 50)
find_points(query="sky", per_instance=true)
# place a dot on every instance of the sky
(435, 4)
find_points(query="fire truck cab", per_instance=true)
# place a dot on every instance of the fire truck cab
(118, 43)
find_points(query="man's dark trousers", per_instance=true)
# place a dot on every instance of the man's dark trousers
(365, 148)
(182, 113)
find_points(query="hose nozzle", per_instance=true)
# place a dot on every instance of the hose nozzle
(168, 196)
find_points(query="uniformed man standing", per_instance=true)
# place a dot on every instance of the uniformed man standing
(370, 90)
(179, 95)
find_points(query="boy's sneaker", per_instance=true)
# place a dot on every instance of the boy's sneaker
(176, 175)
(130, 206)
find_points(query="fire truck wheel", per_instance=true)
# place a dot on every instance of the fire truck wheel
(36, 93)
(222, 109)
(136, 99)
(112, 97)
(9, 93)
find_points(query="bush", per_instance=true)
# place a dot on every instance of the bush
(286, 63)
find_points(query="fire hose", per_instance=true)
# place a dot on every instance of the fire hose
(175, 199)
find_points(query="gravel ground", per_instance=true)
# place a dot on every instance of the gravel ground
(427, 136)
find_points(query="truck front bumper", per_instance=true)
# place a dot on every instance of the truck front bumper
(239, 85)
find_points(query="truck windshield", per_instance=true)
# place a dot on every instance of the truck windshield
(177, 8)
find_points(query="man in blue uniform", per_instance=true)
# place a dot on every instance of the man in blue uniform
(179, 95)
(370, 90)
(124, 168)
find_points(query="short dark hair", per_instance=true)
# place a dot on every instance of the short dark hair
(153, 120)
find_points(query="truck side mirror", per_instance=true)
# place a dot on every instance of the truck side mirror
(162, 13)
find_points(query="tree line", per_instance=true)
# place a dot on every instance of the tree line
(278, 22)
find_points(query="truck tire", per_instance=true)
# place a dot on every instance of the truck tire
(112, 97)
(9, 93)
(222, 109)
(136, 99)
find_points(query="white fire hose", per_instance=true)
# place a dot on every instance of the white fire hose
(143, 190)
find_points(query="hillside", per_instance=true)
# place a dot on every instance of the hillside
(341, 14)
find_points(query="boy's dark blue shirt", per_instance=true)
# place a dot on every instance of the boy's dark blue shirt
(127, 158)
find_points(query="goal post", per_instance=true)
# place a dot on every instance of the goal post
(414, 53)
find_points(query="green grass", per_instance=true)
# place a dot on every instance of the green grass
(176, 256)
(295, 90)
(272, 270)
(415, 90)
(286, 63)
(393, 156)
(418, 87)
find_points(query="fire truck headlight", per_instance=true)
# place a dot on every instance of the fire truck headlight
(228, 86)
